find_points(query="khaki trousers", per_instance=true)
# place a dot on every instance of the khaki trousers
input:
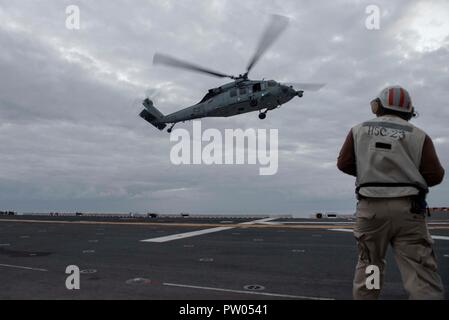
(381, 222)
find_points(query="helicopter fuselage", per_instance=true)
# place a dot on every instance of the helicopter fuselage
(235, 98)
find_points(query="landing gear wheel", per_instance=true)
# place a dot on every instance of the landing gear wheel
(262, 116)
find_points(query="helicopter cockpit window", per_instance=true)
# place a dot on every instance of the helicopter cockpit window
(243, 91)
(208, 96)
(233, 93)
(257, 87)
(272, 83)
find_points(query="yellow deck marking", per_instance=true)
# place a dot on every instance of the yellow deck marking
(199, 225)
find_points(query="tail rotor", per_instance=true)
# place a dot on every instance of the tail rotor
(151, 114)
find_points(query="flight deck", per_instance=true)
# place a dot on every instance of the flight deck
(185, 258)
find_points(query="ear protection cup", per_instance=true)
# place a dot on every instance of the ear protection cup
(375, 107)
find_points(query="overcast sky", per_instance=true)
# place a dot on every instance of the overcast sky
(70, 134)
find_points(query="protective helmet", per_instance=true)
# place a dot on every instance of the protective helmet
(396, 98)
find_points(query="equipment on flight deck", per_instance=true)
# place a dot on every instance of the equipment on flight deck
(240, 96)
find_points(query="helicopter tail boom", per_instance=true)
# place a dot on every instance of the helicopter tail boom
(152, 115)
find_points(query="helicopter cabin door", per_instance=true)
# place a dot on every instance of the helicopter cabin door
(257, 87)
(254, 101)
(243, 98)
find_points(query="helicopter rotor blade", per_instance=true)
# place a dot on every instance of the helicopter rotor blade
(152, 93)
(277, 25)
(308, 86)
(176, 63)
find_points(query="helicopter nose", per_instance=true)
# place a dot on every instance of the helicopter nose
(288, 90)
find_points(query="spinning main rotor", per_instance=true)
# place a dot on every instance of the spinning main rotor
(277, 25)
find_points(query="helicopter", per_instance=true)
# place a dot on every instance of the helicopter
(242, 95)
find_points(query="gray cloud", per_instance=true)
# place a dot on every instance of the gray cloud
(71, 139)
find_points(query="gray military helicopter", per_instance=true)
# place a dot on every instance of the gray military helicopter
(240, 96)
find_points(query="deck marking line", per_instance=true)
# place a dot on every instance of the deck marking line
(440, 238)
(260, 221)
(186, 235)
(199, 225)
(200, 232)
(21, 267)
(245, 292)
(342, 230)
(433, 237)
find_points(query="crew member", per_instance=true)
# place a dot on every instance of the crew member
(394, 163)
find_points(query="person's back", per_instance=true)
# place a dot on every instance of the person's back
(394, 163)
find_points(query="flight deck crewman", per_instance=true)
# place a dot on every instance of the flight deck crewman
(395, 163)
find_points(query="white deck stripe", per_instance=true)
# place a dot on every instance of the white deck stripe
(201, 232)
(350, 230)
(440, 238)
(186, 235)
(338, 223)
(261, 221)
(342, 230)
(21, 267)
(316, 222)
(246, 292)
